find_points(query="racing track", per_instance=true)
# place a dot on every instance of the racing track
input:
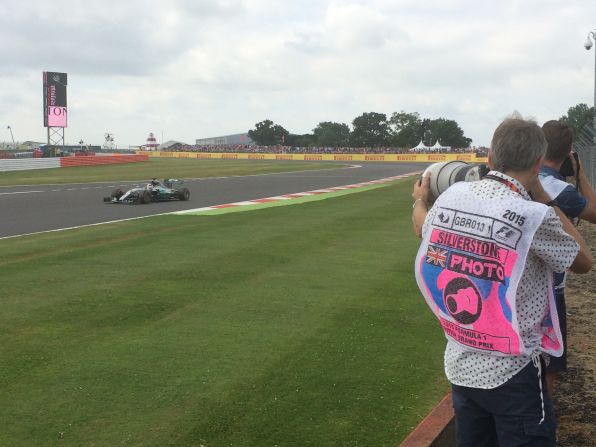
(32, 209)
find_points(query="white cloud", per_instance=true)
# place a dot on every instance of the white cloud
(198, 69)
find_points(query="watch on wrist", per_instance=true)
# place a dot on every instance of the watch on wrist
(416, 201)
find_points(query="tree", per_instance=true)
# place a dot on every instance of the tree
(405, 129)
(425, 132)
(267, 133)
(331, 134)
(304, 140)
(370, 129)
(447, 132)
(577, 117)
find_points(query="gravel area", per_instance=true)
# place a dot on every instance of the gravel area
(575, 393)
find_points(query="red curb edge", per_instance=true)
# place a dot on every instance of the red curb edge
(436, 430)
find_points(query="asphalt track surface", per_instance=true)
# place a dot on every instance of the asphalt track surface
(38, 208)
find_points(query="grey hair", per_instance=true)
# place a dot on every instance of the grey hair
(517, 144)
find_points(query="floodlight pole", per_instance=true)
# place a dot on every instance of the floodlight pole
(11, 135)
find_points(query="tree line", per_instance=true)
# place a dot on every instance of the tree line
(401, 130)
(578, 117)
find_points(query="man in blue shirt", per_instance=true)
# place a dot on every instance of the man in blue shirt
(577, 201)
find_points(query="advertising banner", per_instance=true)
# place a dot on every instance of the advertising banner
(54, 99)
(418, 158)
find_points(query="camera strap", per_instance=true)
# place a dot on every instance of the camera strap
(505, 182)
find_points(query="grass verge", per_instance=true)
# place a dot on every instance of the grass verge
(291, 326)
(154, 167)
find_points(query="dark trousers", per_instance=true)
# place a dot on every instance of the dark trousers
(507, 416)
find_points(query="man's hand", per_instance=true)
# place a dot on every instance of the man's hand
(421, 195)
(422, 189)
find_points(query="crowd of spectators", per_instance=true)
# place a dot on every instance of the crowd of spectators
(13, 154)
(253, 148)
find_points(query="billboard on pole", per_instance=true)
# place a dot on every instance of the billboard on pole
(54, 99)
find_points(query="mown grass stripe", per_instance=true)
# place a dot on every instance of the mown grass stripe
(292, 326)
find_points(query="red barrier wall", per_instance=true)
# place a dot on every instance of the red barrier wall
(101, 160)
(437, 429)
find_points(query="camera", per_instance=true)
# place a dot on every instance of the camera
(446, 173)
(567, 167)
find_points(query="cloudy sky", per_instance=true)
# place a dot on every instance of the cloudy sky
(187, 69)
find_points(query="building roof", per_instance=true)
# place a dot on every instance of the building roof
(171, 143)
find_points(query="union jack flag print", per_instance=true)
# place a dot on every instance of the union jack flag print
(436, 256)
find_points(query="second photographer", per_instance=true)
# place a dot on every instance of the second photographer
(577, 201)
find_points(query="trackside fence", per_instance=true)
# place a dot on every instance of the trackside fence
(585, 146)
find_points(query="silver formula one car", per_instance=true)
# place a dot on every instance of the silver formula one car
(154, 191)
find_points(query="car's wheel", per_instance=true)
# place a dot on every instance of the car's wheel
(117, 193)
(183, 194)
(146, 197)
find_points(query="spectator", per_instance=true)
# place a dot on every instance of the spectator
(485, 267)
(576, 202)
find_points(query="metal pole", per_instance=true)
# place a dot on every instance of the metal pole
(589, 43)
(11, 135)
(594, 114)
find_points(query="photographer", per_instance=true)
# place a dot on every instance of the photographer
(577, 201)
(485, 267)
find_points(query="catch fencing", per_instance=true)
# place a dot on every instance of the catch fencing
(585, 146)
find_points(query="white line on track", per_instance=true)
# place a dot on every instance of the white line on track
(17, 192)
(195, 179)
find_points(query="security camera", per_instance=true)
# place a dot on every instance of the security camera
(588, 43)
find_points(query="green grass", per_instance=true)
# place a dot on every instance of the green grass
(292, 326)
(154, 167)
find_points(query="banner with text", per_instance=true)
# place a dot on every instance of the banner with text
(420, 158)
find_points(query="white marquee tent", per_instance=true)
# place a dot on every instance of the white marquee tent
(420, 148)
(439, 147)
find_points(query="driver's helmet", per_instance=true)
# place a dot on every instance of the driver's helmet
(154, 182)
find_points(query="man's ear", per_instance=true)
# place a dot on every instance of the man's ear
(490, 160)
(537, 165)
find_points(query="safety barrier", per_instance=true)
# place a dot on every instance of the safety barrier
(421, 158)
(17, 164)
(108, 160)
(437, 429)
(63, 162)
